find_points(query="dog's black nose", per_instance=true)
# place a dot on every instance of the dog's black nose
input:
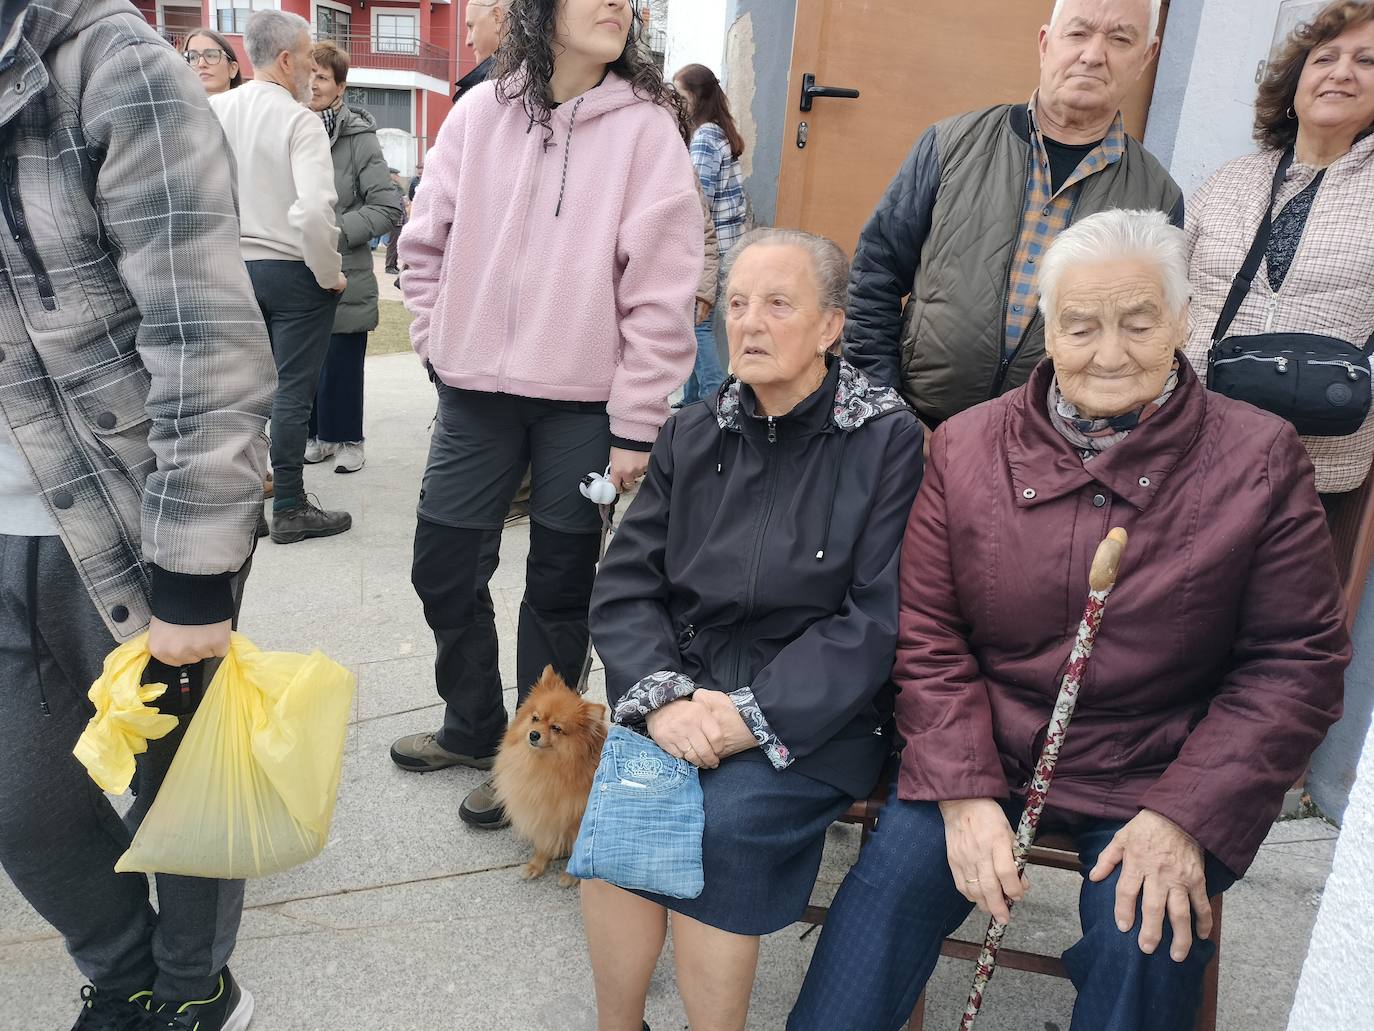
(534, 737)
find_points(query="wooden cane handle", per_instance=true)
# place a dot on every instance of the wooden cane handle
(1107, 560)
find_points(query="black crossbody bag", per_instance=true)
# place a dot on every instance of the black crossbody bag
(1318, 383)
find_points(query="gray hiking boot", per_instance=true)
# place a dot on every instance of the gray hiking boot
(422, 753)
(480, 808)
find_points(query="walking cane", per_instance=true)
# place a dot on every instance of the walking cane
(1101, 580)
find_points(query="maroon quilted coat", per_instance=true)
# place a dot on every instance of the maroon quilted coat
(1219, 665)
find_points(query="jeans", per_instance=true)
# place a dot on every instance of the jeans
(300, 318)
(883, 934)
(644, 820)
(59, 835)
(707, 375)
(337, 417)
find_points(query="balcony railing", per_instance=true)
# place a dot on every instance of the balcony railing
(394, 53)
(389, 53)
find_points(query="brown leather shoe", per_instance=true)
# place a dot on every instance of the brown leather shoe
(267, 486)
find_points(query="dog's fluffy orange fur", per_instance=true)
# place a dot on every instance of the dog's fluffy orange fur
(544, 770)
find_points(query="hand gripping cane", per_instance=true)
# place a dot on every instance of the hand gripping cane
(1101, 580)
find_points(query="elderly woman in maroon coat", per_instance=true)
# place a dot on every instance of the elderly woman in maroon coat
(1217, 671)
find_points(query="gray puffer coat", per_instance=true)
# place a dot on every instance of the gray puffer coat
(369, 205)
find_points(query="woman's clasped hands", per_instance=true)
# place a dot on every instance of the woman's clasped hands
(702, 729)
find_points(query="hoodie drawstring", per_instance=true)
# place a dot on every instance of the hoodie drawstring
(35, 639)
(567, 153)
(720, 451)
(836, 464)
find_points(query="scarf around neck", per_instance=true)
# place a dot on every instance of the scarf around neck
(1093, 436)
(330, 115)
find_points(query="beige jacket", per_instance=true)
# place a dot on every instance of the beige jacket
(710, 272)
(286, 178)
(1329, 288)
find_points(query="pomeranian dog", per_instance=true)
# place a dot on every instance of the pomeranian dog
(544, 770)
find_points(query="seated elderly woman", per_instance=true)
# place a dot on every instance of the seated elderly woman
(747, 616)
(1216, 673)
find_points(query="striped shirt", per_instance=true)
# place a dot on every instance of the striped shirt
(1046, 214)
(722, 184)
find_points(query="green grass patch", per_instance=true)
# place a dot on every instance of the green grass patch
(392, 335)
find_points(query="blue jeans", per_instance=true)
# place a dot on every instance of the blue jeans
(707, 375)
(883, 934)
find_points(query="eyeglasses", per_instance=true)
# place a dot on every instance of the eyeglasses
(212, 55)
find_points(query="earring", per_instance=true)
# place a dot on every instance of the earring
(1292, 115)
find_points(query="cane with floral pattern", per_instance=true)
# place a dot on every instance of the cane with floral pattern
(1101, 580)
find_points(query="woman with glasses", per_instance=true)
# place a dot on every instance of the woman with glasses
(213, 59)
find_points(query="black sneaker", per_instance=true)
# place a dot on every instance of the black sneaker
(229, 1009)
(307, 520)
(103, 1012)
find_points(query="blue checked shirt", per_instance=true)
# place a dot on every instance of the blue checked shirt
(1047, 214)
(721, 182)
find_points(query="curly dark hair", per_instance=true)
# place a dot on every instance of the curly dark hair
(524, 65)
(1275, 129)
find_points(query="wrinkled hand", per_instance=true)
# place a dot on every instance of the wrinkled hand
(735, 735)
(979, 843)
(627, 467)
(685, 728)
(1165, 864)
(186, 645)
(341, 285)
(703, 311)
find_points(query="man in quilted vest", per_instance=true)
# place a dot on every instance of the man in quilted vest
(964, 223)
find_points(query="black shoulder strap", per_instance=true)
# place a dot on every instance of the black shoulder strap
(1240, 286)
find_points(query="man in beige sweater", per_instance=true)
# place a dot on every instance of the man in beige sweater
(290, 243)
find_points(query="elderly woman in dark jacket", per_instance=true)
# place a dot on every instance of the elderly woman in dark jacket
(746, 613)
(1216, 673)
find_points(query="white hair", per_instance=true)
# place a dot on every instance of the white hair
(271, 32)
(829, 264)
(1153, 28)
(1112, 236)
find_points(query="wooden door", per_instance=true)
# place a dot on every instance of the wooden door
(913, 63)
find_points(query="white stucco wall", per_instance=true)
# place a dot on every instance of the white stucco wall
(1210, 65)
(696, 34)
(1336, 989)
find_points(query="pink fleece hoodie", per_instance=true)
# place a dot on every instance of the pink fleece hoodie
(565, 271)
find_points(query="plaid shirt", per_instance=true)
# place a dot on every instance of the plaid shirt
(135, 373)
(721, 183)
(1046, 214)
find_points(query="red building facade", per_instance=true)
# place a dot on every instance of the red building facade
(405, 55)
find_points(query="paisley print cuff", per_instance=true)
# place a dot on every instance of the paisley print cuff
(757, 723)
(653, 692)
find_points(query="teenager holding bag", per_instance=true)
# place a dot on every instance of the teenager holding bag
(553, 257)
(1297, 217)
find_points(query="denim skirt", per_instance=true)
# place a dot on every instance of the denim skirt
(761, 847)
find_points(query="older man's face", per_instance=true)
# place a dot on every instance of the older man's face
(1112, 337)
(1093, 54)
(484, 21)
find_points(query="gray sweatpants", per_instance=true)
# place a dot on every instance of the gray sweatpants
(59, 835)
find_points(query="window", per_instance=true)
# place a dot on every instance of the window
(231, 16)
(391, 107)
(396, 34)
(331, 23)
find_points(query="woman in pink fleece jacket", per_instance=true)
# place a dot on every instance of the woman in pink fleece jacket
(553, 255)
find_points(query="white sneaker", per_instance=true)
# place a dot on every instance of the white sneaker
(316, 451)
(349, 457)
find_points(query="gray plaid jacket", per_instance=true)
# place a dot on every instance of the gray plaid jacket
(135, 371)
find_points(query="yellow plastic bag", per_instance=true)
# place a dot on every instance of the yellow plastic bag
(251, 790)
(123, 723)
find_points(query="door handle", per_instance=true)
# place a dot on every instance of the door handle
(810, 91)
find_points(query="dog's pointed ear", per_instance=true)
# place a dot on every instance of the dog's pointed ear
(598, 712)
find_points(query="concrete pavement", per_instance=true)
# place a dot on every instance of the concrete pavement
(409, 921)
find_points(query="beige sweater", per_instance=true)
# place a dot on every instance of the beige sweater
(285, 176)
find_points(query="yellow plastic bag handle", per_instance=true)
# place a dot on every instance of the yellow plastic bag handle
(123, 723)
